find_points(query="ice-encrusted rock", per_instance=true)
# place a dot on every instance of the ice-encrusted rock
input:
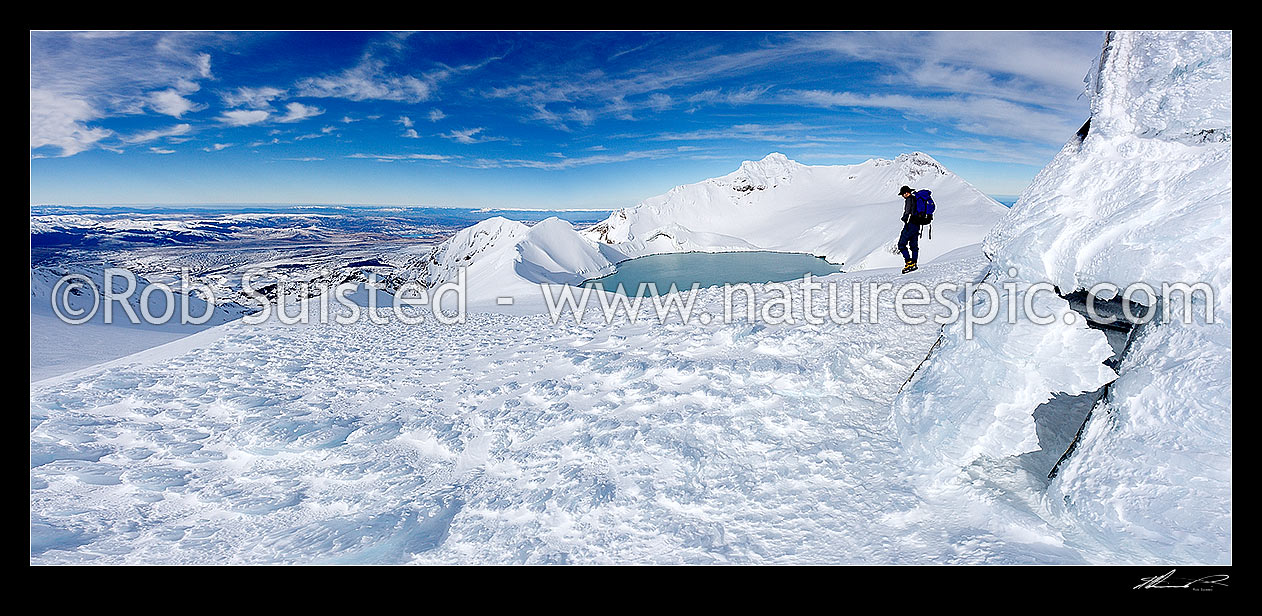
(1144, 198)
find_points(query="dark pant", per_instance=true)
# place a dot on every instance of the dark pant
(910, 238)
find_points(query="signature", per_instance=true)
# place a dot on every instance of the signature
(1159, 581)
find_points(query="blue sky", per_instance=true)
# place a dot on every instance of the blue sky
(528, 119)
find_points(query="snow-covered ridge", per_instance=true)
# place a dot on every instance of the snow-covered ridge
(762, 174)
(502, 257)
(848, 214)
(467, 244)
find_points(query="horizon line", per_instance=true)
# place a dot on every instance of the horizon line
(273, 204)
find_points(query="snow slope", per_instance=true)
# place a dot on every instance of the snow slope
(847, 214)
(58, 347)
(1144, 198)
(508, 439)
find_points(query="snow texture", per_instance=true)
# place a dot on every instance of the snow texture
(506, 440)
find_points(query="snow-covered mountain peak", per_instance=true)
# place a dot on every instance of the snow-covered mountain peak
(486, 232)
(467, 244)
(774, 169)
(552, 224)
(919, 167)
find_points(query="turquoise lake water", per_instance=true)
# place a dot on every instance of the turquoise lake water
(710, 270)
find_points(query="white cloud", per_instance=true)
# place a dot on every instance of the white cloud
(172, 102)
(624, 52)
(618, 107)
(161, 151)
(405, 121)
(550, 118)
(243, 117)
(436, 115)
(1020, 85)
(742, 96)
(582, 116)
(411, 134)
(1038, 68)
(401, 157)
(973, 114)
(256, 98)
(295, 112)
(62, 122)
(215, 147)
(80, 77)
(203, 65)
(783, 133)
(368, 80)
(469, 136)
(992, 151)
(593, 93)
(152, 135)
(570, 163)
(659, 101)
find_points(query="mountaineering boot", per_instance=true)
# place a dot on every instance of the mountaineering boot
(909, 267)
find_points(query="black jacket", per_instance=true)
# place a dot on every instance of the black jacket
(909, 207)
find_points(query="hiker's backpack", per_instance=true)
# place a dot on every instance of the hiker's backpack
(923, 213)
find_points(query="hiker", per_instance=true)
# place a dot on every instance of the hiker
(910, 236)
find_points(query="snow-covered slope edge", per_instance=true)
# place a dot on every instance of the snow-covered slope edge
(57, 346)
(848, 214)
(1144, 198)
